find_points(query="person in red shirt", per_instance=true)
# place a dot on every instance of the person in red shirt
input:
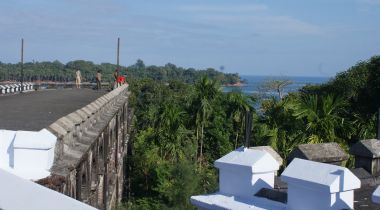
(120, 80)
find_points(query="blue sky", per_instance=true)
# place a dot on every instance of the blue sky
(251, 37)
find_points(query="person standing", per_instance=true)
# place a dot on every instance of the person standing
(116, 76)
(98, 80)
(78, 78)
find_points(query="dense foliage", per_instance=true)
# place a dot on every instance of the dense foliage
(180, 129)
(183, 121)
(59, 72)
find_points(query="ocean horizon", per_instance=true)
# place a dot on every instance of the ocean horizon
(252, 83)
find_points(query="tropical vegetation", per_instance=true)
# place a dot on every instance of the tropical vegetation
(181, 129)
(183, 121)
(59, 72)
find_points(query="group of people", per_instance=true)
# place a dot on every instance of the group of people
(119, 79)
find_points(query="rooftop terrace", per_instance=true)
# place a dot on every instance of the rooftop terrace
(35, 110)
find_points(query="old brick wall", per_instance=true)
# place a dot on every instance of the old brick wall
(88, 162)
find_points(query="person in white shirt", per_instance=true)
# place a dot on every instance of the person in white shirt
(78, 78)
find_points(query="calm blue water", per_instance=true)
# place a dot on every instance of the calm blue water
(253, 83)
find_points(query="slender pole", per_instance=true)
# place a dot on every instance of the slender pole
(118, 53)
(22, 65)
(378, 125)
(248, 128)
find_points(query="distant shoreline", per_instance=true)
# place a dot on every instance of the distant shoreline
(237, 84)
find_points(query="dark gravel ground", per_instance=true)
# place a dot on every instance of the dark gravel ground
(363, 199)
(35, 110)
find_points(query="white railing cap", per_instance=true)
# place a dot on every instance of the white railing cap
(19, 193)
(257, 161)
(34, 140)
(320, 176)
(376, 195)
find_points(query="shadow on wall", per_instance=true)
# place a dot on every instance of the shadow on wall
(10, 152)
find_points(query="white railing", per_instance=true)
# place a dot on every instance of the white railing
(15, 87)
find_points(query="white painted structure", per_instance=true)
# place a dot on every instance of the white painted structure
(2, 89)
(27, 154)
(315, 186)
(311, 185)
(242, 173)
(6, 88)
(376, 195)
(17, 194)
(16, 87)
(10, 89)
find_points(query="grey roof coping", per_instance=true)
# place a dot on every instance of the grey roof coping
(76, 118)
(57, 130)
(366, 148)
(87, 111)
(82, 114)
(324, 152)
(92, 108)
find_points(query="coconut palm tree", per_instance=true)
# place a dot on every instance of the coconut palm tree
(322, 116)
(171, 131)
(206, 91)
(238, 105)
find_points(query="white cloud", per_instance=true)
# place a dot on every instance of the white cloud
(264, 24)
(250, 19)
(224, 8)
(370, 2)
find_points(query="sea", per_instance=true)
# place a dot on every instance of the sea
(253, 84)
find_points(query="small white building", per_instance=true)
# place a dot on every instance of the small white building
(242, 173)
(311, 185)
(316, 186)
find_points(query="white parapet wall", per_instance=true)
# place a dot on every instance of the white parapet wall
(17, 194)
(316, 186)
(27, 154)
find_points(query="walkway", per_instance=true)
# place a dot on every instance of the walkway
(35, 110)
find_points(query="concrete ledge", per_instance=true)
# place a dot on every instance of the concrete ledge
(325, 153)
(71, 149)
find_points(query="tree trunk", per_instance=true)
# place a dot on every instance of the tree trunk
(201, 148)
(197, 139)
(236, 138)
